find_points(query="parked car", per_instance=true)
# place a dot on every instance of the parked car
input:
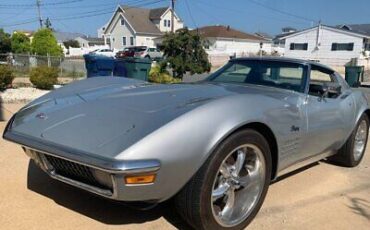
(104, 52)
(213, 146)
(126, 52)
(147, 52)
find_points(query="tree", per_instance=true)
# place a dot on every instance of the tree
(20, 43)
(184, 51)
(44, 43)
(5, 44)
(71, 43)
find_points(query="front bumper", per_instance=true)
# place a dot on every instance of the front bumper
(102, 176)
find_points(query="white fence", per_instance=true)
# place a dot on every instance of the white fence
(79, 52)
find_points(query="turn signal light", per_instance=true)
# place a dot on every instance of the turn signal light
(140, 179)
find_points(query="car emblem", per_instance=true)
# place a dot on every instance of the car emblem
(42, 116)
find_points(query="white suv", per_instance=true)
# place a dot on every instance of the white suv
(146, 52)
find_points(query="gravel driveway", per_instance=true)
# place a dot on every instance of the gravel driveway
(322, 196)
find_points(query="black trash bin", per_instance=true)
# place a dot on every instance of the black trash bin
(137, 68)
(98, 65)
(353, 75)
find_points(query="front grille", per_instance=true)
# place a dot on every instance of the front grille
(75, 171)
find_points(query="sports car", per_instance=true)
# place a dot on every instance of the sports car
(212, 147)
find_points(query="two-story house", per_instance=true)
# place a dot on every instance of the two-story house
(132, 26)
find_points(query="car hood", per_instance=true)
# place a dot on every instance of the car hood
(105, 119)
(106, 116)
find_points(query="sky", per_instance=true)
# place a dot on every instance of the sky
(268, 16)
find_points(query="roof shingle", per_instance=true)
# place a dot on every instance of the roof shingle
(139, 19)
(226, 32)
(157, 13)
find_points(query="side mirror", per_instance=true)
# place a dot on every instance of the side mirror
(330, 90)
(326, 90)
(333, 90)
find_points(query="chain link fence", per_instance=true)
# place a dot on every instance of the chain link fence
(70, 68)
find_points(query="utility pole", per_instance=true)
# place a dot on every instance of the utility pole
(173, 16)
(38, 4)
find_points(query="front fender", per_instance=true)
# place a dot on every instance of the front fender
(184, 144)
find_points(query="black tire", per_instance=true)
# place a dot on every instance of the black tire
(193, 201)
(345, 156)
(147, 56)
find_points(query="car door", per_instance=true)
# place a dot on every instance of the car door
(327, 117)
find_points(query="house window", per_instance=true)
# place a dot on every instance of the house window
(124, 41)
(131, 41)
(342, 46)
(122, 21)
(169, 23)
(298, 46)
(165, 23)
(367, 46)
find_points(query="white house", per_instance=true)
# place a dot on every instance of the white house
(334, 46)
(101, 31)
(131, 26)
(226, 40)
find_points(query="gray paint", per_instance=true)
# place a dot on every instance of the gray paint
(118, 124)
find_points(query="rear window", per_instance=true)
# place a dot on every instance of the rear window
(140, 49)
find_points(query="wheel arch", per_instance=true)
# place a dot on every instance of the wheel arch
(367, 112)
(265, 131)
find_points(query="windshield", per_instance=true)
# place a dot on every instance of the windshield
(268, 73)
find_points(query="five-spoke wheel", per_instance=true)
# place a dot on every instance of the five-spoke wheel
(238, 185)
(228, 190)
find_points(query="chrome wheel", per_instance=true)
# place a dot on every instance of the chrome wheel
(238, 185)
(360, 140)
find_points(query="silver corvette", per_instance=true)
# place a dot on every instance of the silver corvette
(213, 146)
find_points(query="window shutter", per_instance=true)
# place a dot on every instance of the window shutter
(305, 46)
(291, 46)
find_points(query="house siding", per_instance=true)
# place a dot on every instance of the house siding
(167, 16)
(234, 46)
(142, 40)
(118, 31)
(324, 54)
(115, 31)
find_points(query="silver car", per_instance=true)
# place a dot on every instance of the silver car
(212, 146)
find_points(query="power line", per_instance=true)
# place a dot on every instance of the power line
(243, 12)
(41, 4)
(281, 11)
(29, 21)
(190, 14)
(86, 14)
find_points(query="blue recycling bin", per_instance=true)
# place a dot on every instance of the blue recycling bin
(98, 65)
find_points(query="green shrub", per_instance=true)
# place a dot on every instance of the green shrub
(6, 76)
(44, 77)
(157, 75)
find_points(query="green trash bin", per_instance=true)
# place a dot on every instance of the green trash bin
(138, 68)
(354, 74)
